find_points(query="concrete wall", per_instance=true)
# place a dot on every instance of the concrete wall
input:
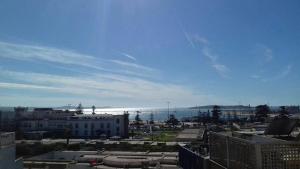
(8, 151)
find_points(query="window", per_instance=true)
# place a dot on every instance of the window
(85, 125)
(108, 125)
(118, 131)
(92, 126)
(118, 121)
(76, 125)
(101, 125)
(76, 132)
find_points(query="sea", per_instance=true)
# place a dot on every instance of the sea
(159, 114)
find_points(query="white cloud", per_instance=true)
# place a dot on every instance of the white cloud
(24, 86)
(201, 40)
(222, 70)
(129, 56)
(268, 53)
(194, 39)
(67, 57)
(118, 84)
(32, 53)
(285, 72)
(206, 50)
(280, 75)
(265, 53)
(189, 39)
(103, 87)
(132, 65)
(255, 76)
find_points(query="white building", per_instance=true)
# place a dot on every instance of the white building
(8, 152)
(97, 125)
(81, 126)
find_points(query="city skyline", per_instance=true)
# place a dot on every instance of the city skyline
(145, 53)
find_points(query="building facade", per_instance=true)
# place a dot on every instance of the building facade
(8, 151)
(58, 122)
(99, 125)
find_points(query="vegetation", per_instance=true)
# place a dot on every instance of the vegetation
(30, 150)
(261, 112)
(151, 118)
(138, 120)
(79, 109)
(216, 114)
(283, 111)
(164, 136)
(172, 120)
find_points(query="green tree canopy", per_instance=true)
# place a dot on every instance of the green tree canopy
(216, 114)
(172, 120)
(261, 112)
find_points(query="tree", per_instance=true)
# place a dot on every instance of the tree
(235, 116)
(67, 134)
(261, 112)
(137, 119)
(216, 114)
(172, 120)
(206, 117)
(151, 118)
(283, 111)
(79, 109)
(199, 117)
(93, 108)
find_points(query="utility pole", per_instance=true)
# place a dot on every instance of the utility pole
(168, 102)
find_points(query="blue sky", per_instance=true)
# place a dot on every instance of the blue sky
(133, 53)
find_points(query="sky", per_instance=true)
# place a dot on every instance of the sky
(145, 53)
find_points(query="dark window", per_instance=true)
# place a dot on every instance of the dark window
(85, 125)
(92, 125)
(76, 132)
(108, 125)
(118, 121)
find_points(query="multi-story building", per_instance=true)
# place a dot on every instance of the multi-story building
(7, 119)
(96, 125)
(80, 125)
(8, 151)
